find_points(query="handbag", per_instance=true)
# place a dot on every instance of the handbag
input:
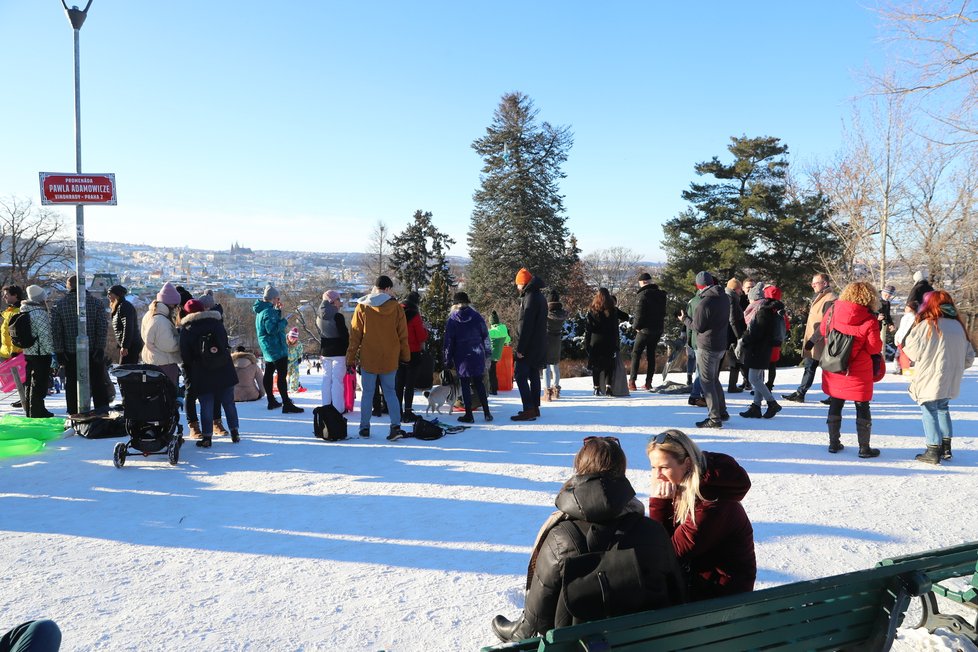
(879, 367)
(838, 348)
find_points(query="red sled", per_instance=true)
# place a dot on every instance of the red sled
(349, 392)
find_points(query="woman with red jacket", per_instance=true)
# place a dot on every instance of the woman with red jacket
(853, 313)
(406, 378)
(697, 497)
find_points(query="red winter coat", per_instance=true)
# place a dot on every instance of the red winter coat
(718, 550)
(417, 333)
(856, 384)
(774, 292)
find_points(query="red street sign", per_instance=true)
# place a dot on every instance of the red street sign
(62, 188)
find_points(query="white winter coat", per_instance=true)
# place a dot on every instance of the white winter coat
(160, 335)
(940, 359)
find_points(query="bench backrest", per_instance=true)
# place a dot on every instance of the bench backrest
(944, 563)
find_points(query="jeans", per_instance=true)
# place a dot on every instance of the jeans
(528, 382)
(334, 371)
(708, 366)
(368, 381)
(761, 391)
(208, 402)
(281, 367)
(936, 420)
(190, 406)
(646, 342)
(808, 377)
(551, 375)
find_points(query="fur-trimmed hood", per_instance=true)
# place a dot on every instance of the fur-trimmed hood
(242, 359)
(197, 316)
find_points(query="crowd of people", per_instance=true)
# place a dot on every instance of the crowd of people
(598, 554)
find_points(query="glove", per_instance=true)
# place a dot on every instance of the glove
(809, 345)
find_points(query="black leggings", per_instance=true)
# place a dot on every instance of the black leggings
(835, 408)
(601, 364)
(282, 367)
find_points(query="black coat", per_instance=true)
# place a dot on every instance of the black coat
(590, 501)
(126, 326)
(601, 334)
(532, 342)
(737, 325)
(556, 316)
(650, 314)
(918, 291)
(759, 338)
(710, 319)
(192, 328)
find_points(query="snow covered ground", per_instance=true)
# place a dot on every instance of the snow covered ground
(285, 542)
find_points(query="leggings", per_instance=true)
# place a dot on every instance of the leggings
(280, 366)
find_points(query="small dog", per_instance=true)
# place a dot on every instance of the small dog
(439, 396)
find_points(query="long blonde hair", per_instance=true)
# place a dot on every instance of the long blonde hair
(680, 447)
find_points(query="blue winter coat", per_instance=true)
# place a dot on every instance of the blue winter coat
(467, 345)
(271, 326)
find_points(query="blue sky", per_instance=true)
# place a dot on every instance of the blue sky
(299, 125)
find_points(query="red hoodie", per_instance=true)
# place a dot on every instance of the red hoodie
(718, 550)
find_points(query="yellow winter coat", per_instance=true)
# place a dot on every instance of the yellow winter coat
(378, 332)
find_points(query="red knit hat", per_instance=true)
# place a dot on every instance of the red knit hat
(523, 276)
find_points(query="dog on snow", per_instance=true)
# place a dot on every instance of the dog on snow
(439, 396)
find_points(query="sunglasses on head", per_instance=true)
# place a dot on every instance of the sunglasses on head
(614, 440)
(661, 438)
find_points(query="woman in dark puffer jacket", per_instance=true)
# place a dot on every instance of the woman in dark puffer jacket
(599, 503)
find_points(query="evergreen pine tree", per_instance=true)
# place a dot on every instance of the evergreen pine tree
(435, 306)
(518, 219)
(412, 259)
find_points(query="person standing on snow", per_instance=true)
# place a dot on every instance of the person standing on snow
(271, 326)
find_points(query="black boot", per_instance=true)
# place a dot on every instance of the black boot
(204, 442)
(795, 397)
(486, 414)
(864, 428)
(753, 412)
(835, 434)
(932, 455)
(773, 407)
(511, 630)
(292, 408)
(235, 436)
(597, 391)
(467, 417)
(273, 404)
(946, 448)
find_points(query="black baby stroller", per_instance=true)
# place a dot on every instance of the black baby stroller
(150, 411)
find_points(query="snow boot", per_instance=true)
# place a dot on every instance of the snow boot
(548, 394)
(204, 442)
(194, 429)
(795, 397)
(864, 428)
(772, 408)
(597, 391)
(932, 455)
(946, 448)
(467, 417)
(753, 412)
(556, 392)
(511, 630)
(835, 434)
(486, 414)
(219, 428)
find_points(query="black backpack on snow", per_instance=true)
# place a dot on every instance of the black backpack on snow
(328, 424)
(20, 330)
(211, 351)
(427, 430)
(603, 581)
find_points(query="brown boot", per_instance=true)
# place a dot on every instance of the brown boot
(194, 428)
(219, 428)
(548, 394)
(556, 392)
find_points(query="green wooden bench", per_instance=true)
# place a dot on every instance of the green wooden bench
(942, 566)
(853, 611)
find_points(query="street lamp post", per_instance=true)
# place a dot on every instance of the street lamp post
(77, 17)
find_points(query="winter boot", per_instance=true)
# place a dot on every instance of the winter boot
(273, 404)
(204, 442)
(194, 429)
(219, 428)
(632, 387)
(835, 434)
(486, 414)
(292, 408)
(467, 417)
(597, 391)
(795, 397)
(511, 630)
(946, 448)
(556, 392)
(773, 407)
(607, 390)
(932, 455)
(864, 428)
(235, 437)
(548, 394)
(753, 412)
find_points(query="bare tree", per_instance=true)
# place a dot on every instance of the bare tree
(940, 66)
(375, 263)
(613, 268)
(33, 242)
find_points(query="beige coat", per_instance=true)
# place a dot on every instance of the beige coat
(940, 359)
(160, 335)
(813, 333)
(249, 387)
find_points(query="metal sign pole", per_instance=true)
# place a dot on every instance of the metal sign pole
(77, 17)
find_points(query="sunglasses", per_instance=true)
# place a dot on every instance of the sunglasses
(661, 438)
(611, 439)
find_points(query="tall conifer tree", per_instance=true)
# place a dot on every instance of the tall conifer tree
(518, 219)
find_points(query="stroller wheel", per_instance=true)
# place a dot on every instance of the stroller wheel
(119, 455)
(173, 451)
